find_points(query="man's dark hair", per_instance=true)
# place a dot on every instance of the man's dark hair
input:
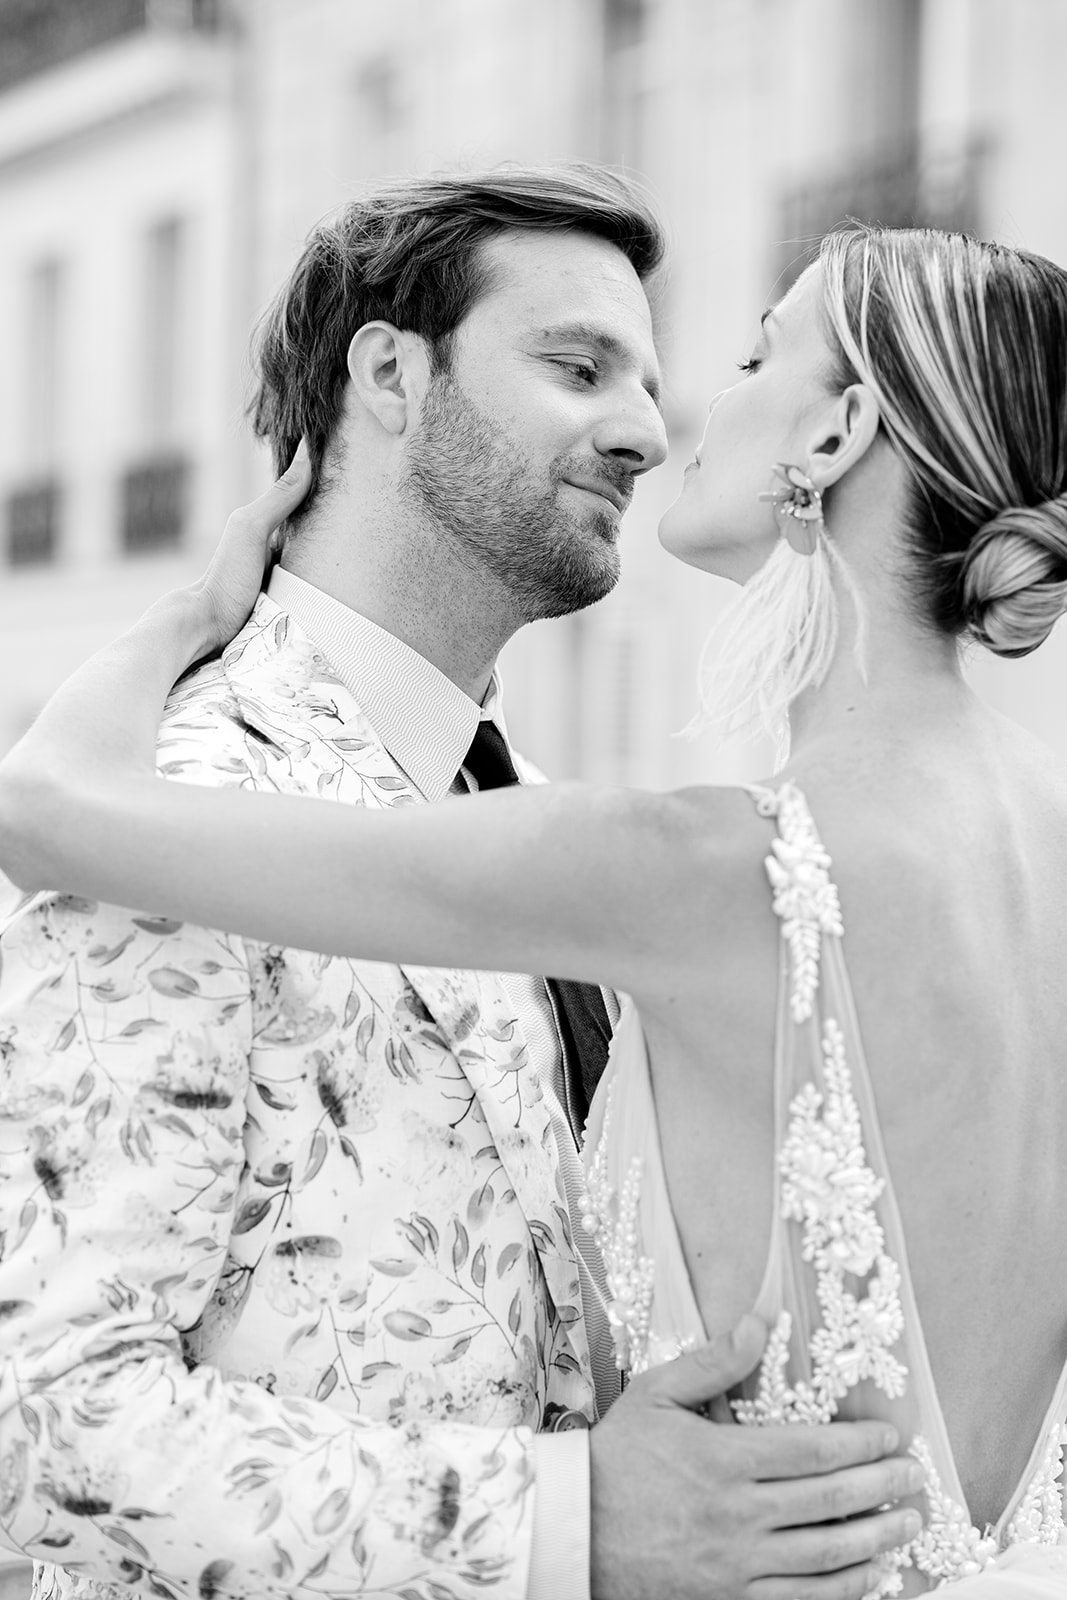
(410, 254)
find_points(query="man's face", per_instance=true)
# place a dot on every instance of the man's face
(528, 446)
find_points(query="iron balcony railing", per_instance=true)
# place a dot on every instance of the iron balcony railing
(39, 34)
(32, 523)
(155, 504)
(906, 187)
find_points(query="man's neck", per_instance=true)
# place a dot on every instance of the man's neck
(429, 605)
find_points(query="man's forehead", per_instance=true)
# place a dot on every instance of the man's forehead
(538, 273)
(540, 284)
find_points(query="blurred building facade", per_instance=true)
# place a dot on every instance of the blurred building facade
(161, 161)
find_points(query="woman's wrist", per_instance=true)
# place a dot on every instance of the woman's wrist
(184, 623)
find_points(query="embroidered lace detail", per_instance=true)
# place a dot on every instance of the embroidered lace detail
(886, 1569)
(611, 1220)
(949, 1547)
(1039, 1519)
(828, 1187)
(775, 1400)
(804, 895)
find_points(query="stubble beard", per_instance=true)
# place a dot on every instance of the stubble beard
(468, 480)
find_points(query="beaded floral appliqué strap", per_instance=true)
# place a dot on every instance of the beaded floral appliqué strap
(805, 897)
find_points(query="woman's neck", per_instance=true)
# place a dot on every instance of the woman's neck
(899, 676)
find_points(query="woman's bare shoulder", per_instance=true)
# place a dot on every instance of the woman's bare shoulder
(724, 821)
(710, 845)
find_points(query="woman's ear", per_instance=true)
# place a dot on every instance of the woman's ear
(389, 371)
(845, 433)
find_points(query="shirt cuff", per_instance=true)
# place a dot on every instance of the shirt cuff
(559, 1561)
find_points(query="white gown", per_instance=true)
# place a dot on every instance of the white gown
(846, 1339)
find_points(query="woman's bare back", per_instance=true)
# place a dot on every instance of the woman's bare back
(952, 871)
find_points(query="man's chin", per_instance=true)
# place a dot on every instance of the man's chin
(594, 581)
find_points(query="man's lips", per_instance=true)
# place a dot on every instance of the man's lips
(620, 498)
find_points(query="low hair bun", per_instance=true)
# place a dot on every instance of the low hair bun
(1013, 578)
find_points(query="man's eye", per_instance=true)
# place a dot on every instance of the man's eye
(582, 371)
(753, 364)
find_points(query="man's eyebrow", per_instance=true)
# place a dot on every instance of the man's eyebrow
(766, 316)
(605, 343)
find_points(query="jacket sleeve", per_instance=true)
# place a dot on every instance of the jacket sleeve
(124, 1049)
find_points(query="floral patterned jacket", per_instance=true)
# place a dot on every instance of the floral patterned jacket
(286, 1274)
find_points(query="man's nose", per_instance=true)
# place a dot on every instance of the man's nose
(636, 434)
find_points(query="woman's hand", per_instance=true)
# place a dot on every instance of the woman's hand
(226, 593)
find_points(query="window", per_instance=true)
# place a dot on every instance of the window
(155, 486)
(39, 34)
(31, 533)
(901, 187)
(382, 123)
(154, 497)
(624, 28)
(893, 176)
(33, 523)
(163, 339)
(43, 344)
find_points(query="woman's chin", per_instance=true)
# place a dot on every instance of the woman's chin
(690, 545)
(677, 536)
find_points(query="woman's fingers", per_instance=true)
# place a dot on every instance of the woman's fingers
(289, 490)
(258, 523)
(229, 588)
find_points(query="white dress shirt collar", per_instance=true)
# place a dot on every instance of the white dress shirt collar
(421, 717)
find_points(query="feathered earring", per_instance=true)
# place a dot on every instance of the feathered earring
(779, 636)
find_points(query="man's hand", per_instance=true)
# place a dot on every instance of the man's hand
(688, 1509)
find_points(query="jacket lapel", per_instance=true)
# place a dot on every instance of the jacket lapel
(287, 692)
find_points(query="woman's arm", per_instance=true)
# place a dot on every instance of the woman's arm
(566, 879)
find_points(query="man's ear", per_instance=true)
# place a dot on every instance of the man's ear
(389, 370)
(844, 435)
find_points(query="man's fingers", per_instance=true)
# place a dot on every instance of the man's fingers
(701, 1375)
(792, 1452)
(838, 1545)
(851, 1584)
(851, 1493)
(842, 1544)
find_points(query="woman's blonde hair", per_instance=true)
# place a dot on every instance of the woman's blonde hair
(964, 345)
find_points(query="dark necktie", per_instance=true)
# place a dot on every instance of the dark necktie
(580, 1010)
